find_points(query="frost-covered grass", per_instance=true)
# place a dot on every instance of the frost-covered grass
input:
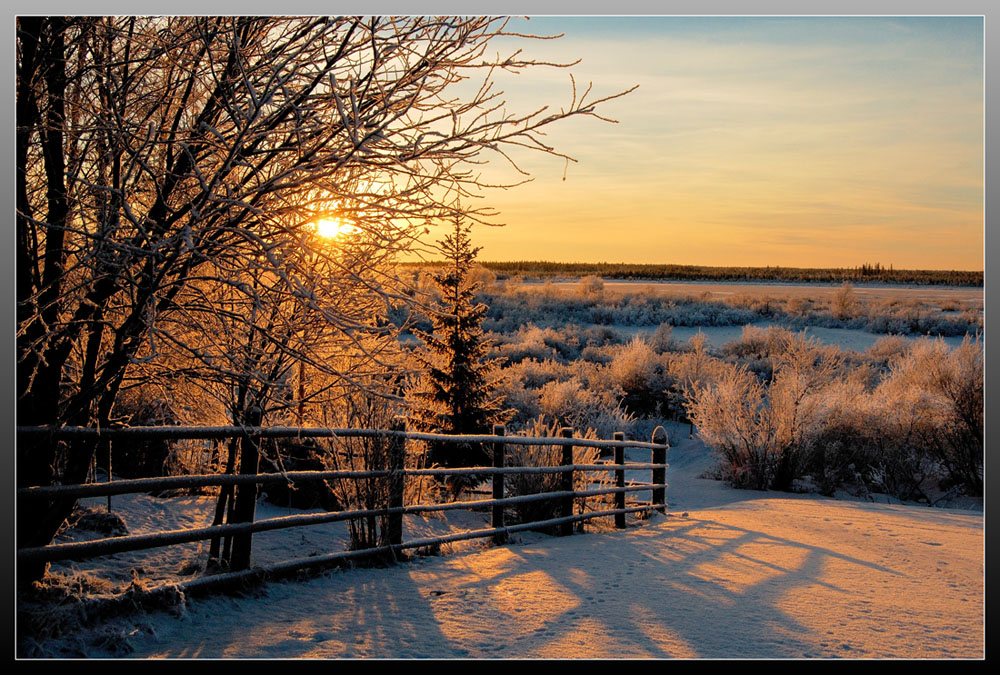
(852, 415)
(588, 302)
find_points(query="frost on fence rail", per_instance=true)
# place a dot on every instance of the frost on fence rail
(394, 509)
(136, 485)
(138, 542)
(179, 432)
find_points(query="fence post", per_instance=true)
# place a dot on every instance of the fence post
(246, 494)
(660, 475)
(499, 451)
(397, 455)
(620, 480)
(566, 483)
(109, 471)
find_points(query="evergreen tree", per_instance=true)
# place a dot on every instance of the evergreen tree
(456, 394)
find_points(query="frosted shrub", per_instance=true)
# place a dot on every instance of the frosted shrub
(839, 453)
(950, 384)
(845, 303)
(764, 435)
(973, 319)
(797, 406)
(482, 277)
(601, 336)
(889, 348)
(894, 435)
(595, 354)
(591, 287)
(641, 375)
(528, 343)
(732, 417)
(690, 370)
(662, 339)
(540, 343)
(959, 446)
(760, 304)
(693, 369)
(634, 366)
(520, 402)
(567, 403)
(798, 306)
(535, 374)
(920, 427)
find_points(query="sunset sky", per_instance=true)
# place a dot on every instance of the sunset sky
(813, 142)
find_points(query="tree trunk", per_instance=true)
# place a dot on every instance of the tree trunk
(246, 494)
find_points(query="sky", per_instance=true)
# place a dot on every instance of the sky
(752, 141)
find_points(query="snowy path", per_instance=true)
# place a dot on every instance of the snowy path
(742, 574)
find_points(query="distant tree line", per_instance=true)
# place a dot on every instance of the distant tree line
(866, 272)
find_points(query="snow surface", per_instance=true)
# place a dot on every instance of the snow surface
(725, 574)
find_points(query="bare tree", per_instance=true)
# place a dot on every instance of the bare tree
(153, 152)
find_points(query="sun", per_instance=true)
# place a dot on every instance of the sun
(334, 228)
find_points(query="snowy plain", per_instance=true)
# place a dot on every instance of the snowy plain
(724, 574)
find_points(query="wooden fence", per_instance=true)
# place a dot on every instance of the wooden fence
(242, 527)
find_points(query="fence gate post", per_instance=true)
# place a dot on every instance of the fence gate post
(499, 450)
(620, 480)
(660, 475)
(566, 483)
(397, 455)
(246, 494)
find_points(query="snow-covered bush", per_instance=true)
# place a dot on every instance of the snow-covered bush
(799, 307)
(662, 339)
(764, 434)
(845, 304)
(733, 418)
(950, 384)
(887, 349)
(591, 287)
(642, 376)
(567, 403)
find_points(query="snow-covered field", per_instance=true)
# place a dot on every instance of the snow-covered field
(726, 573)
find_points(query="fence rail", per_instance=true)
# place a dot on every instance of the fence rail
(393, 511)
(216, 433)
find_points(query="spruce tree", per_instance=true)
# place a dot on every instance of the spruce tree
(456, 394)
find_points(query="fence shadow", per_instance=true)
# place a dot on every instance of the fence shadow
(676, 588)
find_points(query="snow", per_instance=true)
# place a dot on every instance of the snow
(725, 574)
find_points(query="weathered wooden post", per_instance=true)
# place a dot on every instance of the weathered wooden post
(566, 509)
(246, 494)
(109, 471)
(660, 475)
(499, 451)
(620, 480)
(397, 456)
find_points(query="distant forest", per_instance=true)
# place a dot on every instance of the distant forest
(863, 273)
